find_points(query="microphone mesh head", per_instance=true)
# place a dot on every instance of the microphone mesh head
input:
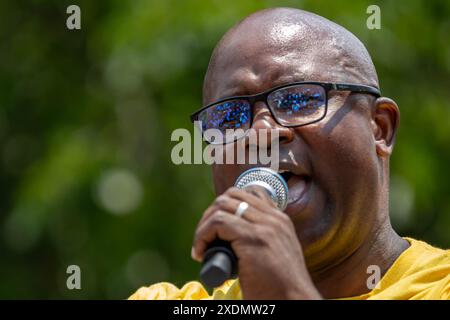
(270, 177)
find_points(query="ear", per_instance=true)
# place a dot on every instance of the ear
(385, 122)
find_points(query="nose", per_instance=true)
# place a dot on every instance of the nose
(263, 119)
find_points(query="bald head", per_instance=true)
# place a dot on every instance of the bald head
(280, 45)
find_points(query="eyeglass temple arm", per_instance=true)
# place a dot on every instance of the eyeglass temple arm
(356, 88)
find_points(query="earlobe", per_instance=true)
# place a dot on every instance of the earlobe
(385, 121)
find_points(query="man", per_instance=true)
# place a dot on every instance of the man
(336, 226)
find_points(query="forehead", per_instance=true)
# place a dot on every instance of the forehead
(255, 59)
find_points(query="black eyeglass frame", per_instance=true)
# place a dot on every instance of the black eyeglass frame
(327, 86)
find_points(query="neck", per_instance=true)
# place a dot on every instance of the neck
(349, 278)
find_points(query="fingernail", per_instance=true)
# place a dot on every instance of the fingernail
(193, 254)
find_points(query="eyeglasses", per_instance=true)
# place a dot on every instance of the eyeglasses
(291, 105)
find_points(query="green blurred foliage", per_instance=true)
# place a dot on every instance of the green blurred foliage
(86, 118)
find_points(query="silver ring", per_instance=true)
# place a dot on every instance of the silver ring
(243, 206)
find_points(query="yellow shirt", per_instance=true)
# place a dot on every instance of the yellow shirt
(420, 272)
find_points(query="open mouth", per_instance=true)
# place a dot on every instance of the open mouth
(297, 184)
(286, 175)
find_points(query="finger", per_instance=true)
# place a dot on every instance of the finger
(223, 225)
(260, 193)
(268, 212)
(208, 212)
(218, 204)
(257, 198)
(227, 203)
(231, 205)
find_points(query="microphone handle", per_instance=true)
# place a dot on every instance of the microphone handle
(219, 264)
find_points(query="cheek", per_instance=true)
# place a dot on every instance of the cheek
(344, 158)
(344, 173)
(224, 176)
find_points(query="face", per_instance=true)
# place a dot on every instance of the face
(333, 168)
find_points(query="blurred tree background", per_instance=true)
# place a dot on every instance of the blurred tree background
(86, 118)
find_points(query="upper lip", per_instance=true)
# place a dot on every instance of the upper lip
(285, 166)
(298, 170)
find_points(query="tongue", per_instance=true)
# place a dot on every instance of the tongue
(296, 185)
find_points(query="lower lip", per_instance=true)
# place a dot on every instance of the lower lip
(298, 194)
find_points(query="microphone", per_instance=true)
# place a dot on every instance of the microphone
(220, 262)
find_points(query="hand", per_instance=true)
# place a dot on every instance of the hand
(270, 258)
